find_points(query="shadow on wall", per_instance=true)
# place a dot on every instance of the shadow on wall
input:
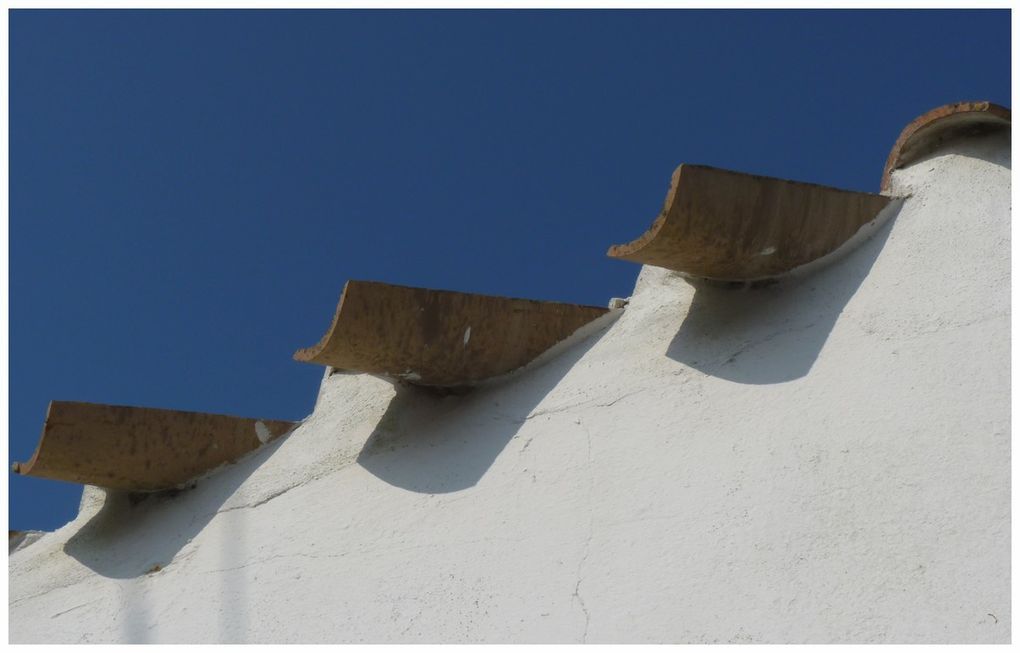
(135, 534)
(434, 444)
(990, 143)
(445, 444)
(772, 334)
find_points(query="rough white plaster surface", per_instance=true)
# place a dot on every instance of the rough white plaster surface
(821, 460)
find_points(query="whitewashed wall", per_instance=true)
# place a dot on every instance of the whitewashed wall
(821, 460)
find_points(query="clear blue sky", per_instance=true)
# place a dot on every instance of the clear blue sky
(190, 190)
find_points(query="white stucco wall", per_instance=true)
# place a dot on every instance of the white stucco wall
(822, 460)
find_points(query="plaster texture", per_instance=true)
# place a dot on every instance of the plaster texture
(825, 459)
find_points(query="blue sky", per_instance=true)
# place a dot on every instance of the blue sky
(190, 190)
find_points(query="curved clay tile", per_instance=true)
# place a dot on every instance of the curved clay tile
(140, 449)
(439, 337)
(926, 133)
(730, 226)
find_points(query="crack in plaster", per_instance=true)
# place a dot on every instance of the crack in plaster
(923, 331)
(45, 592)
(264, 500)
(62, 612)
(751, 344)
(588, 404)
(276, 557)
(591, 534)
